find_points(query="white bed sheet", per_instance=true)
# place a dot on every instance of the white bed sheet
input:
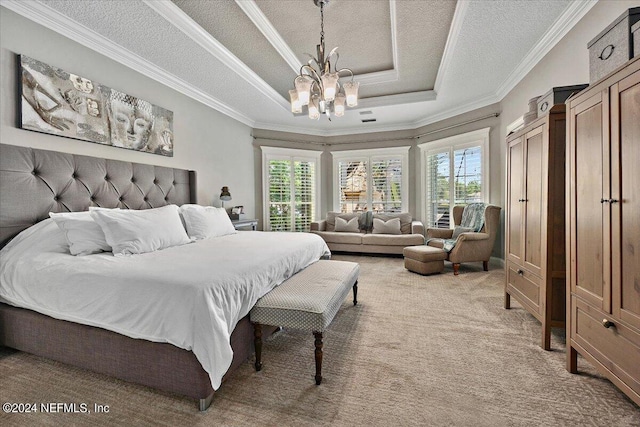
(191, 296)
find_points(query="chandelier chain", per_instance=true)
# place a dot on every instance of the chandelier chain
(322, 23)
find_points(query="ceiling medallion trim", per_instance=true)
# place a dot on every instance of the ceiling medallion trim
(569, 18)
(61, 24)
(255, 14)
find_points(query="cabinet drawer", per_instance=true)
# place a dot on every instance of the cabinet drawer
(525, 287)
(616, 347)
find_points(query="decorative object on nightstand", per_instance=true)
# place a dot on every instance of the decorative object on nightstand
(237, 212)
(225, 196)
(245, 223)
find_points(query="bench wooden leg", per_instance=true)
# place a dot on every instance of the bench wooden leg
(456, 267)
(257, 341)
(355, 293)
(485, 265)
(318, 344)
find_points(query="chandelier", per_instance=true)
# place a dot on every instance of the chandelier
(318, 87)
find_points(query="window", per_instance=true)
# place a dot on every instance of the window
(455, 172)
(291, 179)
(374, 180)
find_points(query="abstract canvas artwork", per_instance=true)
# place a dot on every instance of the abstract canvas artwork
(61, 103)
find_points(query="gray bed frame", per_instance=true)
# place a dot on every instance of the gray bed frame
(35, 182)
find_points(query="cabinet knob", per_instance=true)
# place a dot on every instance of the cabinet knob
(604, 200)
(520, 272)
(613, 201)
(607, 323)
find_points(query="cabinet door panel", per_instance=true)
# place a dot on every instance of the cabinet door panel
(590, 218)
(534, 203)
(515, 194)
(625, 145)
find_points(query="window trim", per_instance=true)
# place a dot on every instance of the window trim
(464, 140)
(291, 154)
(368, 155)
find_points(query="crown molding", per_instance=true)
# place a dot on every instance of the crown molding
(452, 40)
(452, 112)
(396, 99)
(368, 128)
(61, 24)
(565, 22)
(255, 14)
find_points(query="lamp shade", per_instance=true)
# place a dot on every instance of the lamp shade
(224, 194)
(314, 108)
(351, 91)
(296, 105)
(303, 87)
(338, 105)
(329, 83)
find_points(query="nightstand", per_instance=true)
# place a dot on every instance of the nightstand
(245, 223)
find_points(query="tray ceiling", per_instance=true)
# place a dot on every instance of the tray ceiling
(418, 61)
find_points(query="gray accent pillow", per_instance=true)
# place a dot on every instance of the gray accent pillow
(344, 226)
(458, 230)
(386, 227)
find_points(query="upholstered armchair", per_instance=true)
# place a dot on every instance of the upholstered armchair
(469, 246)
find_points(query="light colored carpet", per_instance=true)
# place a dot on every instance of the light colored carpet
(437, 350)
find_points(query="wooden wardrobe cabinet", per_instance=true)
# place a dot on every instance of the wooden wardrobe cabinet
(535, 220)
(603, 233)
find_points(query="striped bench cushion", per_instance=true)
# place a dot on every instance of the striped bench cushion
(310, 299)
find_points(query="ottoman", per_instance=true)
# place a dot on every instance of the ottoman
(424, 259)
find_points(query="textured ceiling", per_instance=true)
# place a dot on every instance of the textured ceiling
(469, 52)
(361, 30)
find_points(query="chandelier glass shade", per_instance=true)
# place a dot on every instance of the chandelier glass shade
(318, 86)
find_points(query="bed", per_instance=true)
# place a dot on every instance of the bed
(168, 352)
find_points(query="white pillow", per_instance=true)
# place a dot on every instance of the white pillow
(390, 227)
(203, 222)
(342, 225)
(139, 231)
(83, 234)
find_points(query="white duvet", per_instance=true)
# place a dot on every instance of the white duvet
(191, 296)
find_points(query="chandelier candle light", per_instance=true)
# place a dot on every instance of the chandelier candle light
(318, 87)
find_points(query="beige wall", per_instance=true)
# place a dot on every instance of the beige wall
(217, 147)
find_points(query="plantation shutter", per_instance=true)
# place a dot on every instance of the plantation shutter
(352, 179)
(280, 195)
(386, 175)
(438, 183)
(453, 177)
(304, 194)
(468, 175)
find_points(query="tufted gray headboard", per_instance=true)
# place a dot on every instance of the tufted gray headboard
(35, 182)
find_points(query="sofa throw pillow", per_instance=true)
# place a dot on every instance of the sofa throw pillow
(203, 222)
(139, 231)
(344, 226)
(83, 234)
(386, 227)
(459, 230)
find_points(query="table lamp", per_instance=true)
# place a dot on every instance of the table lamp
(225, 196)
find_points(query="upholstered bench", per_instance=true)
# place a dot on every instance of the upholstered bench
(307, 301)
(424, 259)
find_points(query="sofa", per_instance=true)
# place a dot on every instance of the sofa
(365, 240)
